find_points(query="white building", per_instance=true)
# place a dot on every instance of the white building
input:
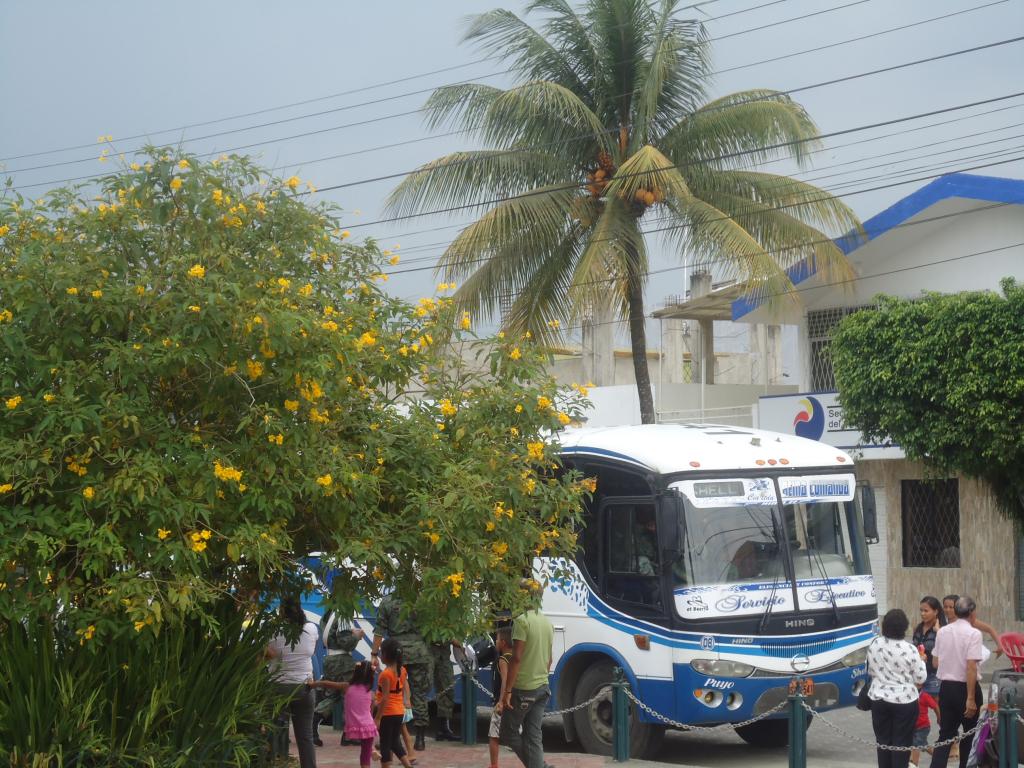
(959, 233)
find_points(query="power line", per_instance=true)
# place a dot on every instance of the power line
(407, 113)
(425, 246)
(853, 193)
(385, 84)
(726, 156)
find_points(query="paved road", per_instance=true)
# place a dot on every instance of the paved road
(724, 749)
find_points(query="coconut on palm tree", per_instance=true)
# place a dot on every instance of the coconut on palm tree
(609, 129)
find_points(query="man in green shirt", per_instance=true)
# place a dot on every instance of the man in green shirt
(528, 692)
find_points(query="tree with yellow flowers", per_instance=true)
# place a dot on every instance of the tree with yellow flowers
(203, 383)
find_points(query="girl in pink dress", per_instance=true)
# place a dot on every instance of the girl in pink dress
(359, 723)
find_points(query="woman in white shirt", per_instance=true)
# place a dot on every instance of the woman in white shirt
(896, 671)
(292, 667)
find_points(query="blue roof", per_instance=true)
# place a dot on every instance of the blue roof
(973, 187)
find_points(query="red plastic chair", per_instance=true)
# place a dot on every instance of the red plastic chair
(1012, 644)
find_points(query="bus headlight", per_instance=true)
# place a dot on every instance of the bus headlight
(722, 668)
(855, 659)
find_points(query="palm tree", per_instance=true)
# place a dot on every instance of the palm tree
(608, 128)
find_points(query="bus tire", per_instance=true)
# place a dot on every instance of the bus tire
(594, 722)
(767, 733)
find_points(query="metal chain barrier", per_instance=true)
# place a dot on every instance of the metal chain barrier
(684, 726)
(886, 747)
(552, 713)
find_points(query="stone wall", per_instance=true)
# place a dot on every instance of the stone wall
(988, 549)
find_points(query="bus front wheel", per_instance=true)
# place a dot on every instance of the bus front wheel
(767, 733)
(594, 722)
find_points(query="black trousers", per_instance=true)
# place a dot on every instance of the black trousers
(952, 702)
(893, 725)
(391, 738)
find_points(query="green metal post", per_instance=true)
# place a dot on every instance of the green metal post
(620, 716)
(1008, 748)
(468, 709)
(797, 725)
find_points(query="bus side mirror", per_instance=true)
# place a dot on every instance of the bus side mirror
(869, 511)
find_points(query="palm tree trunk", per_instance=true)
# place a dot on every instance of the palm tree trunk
(638, 342)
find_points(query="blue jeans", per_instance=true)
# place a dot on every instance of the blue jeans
(520, 725)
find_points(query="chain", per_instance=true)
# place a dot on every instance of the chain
(675, 724)
(886, 747)
(575, 707)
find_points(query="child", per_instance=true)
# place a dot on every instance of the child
(921, 730)
(359, 722)
(503, 645)
(394, 700)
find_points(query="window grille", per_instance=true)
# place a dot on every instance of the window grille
(821, 325)
(931, 523)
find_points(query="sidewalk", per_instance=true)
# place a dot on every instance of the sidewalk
(447, 754)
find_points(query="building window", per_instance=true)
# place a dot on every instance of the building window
(931, 523)
(821, 325)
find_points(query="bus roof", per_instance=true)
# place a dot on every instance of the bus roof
(669, 448)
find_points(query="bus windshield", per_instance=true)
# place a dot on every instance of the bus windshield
(730, 532)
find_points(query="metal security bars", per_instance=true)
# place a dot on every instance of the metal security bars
(821, 325)
(930, 511)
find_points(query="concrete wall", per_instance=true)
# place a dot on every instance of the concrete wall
(988, 549)
(730, 368)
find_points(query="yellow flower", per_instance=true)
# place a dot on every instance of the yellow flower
(434, 538)
(86, 634)
(206, 535)
(194, 308)
(140, 290)
(466, 323)
(543, 403)
(4, 229)
(6, 487)
(197, 271)
(345, 234)
(255, 368)
(135, 166)
(515, 354)
(277, 439)
(96, 294)
(226, 473)
(455, 581)
(291, 405)
(198, 546)
(513, 431)
(366, 340)
(306, 290)
(447, 409)
(563, 418)
(519, 408)
(554, 324)
(89, 492)
(535, 451)
(218, 196)
(13, 402)
(329, 325)
(175, 183)
(283, 283)
(489, 526)
(139, 625)
(529, 485)
(394, 260)
(499, 548)
(162, 533)
(183, 164)
(325, 480)
(293, 182)
(589, 484)
(6, 316)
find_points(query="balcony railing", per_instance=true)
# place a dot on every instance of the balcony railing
(735, 415)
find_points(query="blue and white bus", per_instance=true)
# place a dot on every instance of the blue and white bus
(715, 563)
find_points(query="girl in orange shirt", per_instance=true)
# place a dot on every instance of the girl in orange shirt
(393, 687)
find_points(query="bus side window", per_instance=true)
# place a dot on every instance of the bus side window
(633, 572)
(590, 541)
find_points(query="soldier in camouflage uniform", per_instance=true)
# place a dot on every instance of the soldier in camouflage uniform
(341, 638)
(415, 654)
(444, 689)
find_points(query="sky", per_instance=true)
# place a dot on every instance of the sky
(74, 71)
